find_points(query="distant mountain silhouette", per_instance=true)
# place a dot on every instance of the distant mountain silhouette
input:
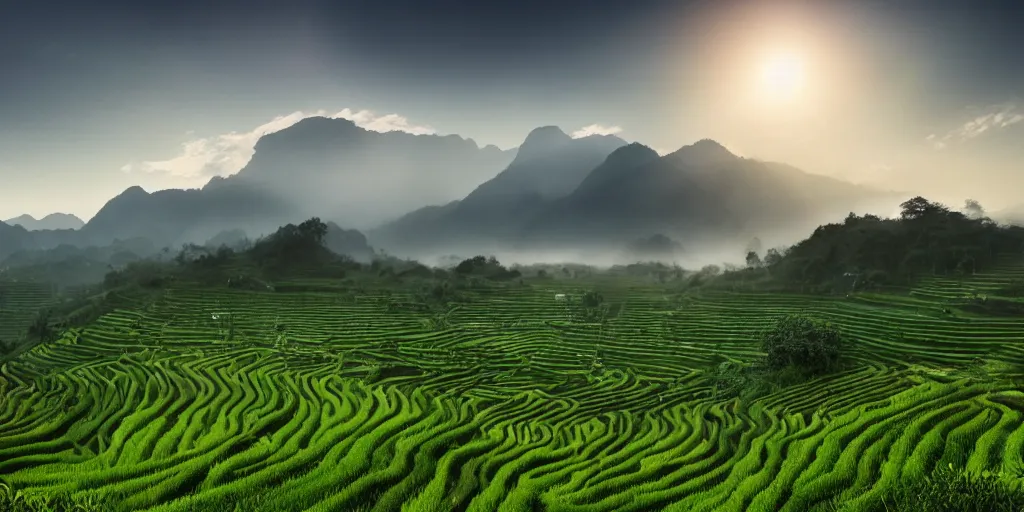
(349, 242)
(333, 169)
(51, 221)
(328, 168)
(172, 217)
(555, 191)
(548, 165)
(14, 239)
(702, 192)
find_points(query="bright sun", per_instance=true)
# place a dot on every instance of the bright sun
(782, 76)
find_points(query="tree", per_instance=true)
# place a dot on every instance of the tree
(468, 266)
(590, 307)
(772, 257)
(313, 230)
(710, 270)
(489, 268)
(801, 342)
(920, 208)
(592, 300)
(753, 260)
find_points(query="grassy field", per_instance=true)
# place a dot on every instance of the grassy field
(221, 400)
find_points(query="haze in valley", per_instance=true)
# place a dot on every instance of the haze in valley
(530, 130)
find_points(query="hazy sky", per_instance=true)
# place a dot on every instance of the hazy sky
(925, 95)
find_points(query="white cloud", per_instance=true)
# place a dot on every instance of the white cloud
(596, 129)
(992, 118)
(227, 153)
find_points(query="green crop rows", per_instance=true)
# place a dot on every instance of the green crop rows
(19, 304)
(216, 399)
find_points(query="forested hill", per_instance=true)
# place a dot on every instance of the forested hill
(927, 239)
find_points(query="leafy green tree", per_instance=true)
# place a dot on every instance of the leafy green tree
(772, 257)
(917, 208)
(801, 342)
(710, 270)
(753, 260)
(470, 265)
(313, 230)
(489, 268)
(591, 300)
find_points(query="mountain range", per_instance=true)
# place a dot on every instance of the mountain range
(611, 193)
(51, 221)
(329, 168)
(553, 191)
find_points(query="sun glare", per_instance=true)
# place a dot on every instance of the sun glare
(781, 76)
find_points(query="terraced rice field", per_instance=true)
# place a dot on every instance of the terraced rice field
(225, 400)
(19, 304)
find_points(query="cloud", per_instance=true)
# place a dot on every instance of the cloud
(992, 118)
(596, 129)
(227, 153)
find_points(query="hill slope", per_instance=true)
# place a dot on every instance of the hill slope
(14, 239)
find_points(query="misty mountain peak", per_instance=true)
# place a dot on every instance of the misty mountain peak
(621, 164)
(310, 133)
(50, 222)
(542, 140)
(704, 152)
(133, 191)
(632, 154)
(20, 219)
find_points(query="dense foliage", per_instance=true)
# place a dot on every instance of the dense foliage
(865, 251)
(486, 267)
(801, 342)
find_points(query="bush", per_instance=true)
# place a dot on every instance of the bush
(796, 341)
(488, 268)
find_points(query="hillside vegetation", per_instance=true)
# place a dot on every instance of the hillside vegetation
(240, 382)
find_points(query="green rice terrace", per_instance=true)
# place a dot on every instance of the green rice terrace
(19, 302)
(219, 399)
